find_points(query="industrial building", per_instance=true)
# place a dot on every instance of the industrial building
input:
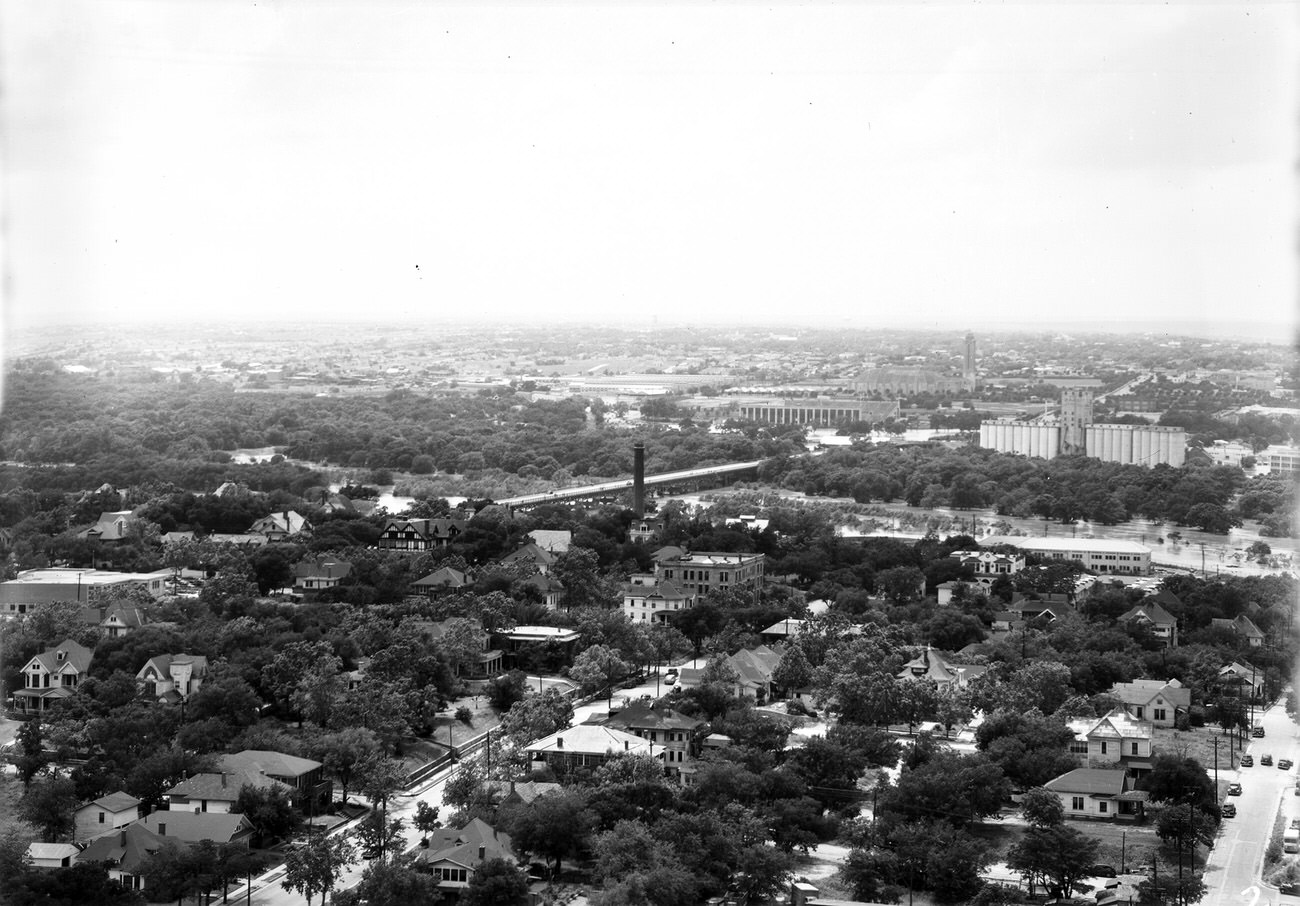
(815, 410)
(1073, 432)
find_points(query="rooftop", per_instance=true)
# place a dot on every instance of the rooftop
(1095, 545)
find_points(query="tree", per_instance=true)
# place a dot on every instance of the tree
(1182, 780)
(537, 716)
(461, 642)
(426, 817)
(599, 667)
(344, 752)
(553, 826)
(176, 872)
(902, 584)
(395, 882)
(268, 809)
(31, 751)
(80, 883)
(377, 834)
(496, 882)
(505, 690)
(792, 671)
(379, 779)
(1042, 808)
(1055, 855)
(315, 866)
(1169, 888)
(49, 805)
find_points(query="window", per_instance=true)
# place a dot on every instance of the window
(1101, 807)
(1133, 748)
(1158, 714)
(1103, 747)
(101, 817)
(1079, 747)
(1076, 803)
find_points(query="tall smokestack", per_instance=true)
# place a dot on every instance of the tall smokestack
(638, 479)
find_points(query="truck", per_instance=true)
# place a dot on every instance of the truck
(1291, 840)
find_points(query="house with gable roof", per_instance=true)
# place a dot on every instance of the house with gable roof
(110, 528)
(1241, 679)
(1163, 624)
(105, 815)
(281, 526)
(1116, 740)
(125, 853)
(303, 775)
(554, 541)
(1098, 793)
(531, 554)
(454, 854)
(679, 735)
(939, 669)
(217, 793)
(1158, 701)
(1242, 627)
(52, 855)
(122, 620)
(194, 827)
(650, 599)
(173, 677)
(420, 534)
(442, 579)
(52, 675)
(313, 575)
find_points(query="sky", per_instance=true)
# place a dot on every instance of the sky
(821, 163)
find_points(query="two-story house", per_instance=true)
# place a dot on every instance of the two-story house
(676, 734)
(419, 534)
(701, 572)
(651, 599)
(1243, 627)
(304, 776)
(1158, 701)
(987, 566)
(105, 815)
(1117, 740)
(52, 675)
(173, 677)
(122, 620)
(1161, 622)
(222, 828)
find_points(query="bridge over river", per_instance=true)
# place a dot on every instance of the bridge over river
(672, 482)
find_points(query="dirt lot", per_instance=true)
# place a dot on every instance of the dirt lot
(1196, 743)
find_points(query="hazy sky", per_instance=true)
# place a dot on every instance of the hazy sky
(877, 162)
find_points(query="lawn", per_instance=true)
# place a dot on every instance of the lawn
(1198, 743)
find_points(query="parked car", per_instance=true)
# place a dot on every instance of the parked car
(1258, 732)
(670, 679)
(1247, 761)
(1234, 789)
(1266, 760)
(1229, 810)
(1285, 764)
(1295, 822)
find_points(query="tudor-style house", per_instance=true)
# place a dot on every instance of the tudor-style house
(419, 534)
(51, 675)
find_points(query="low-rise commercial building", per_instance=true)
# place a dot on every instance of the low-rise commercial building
(1099, 555)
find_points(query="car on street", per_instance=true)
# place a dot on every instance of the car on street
(1258, 732)
(1234, 789)
(670, 679)
(1266, 760)
(1295, 822)
(1285, 764)
(1229, 810)
(1247, 761)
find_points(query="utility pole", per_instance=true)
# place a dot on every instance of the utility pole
(1216, 769)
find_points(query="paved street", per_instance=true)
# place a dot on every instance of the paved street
(267, 890)
(1236, 860)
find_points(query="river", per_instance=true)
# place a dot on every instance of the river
(1223, 554)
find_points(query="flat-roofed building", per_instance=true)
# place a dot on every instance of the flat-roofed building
(44, 586)
(701, 572)
(1099, 555)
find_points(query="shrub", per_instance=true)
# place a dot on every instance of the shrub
(465, 715)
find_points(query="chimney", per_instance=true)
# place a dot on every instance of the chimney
(123, 840)
(482, 852)
(625, 747)
(559, 742)
(223, 780)
(638, 479)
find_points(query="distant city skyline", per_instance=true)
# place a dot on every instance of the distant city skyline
(1103, 165)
